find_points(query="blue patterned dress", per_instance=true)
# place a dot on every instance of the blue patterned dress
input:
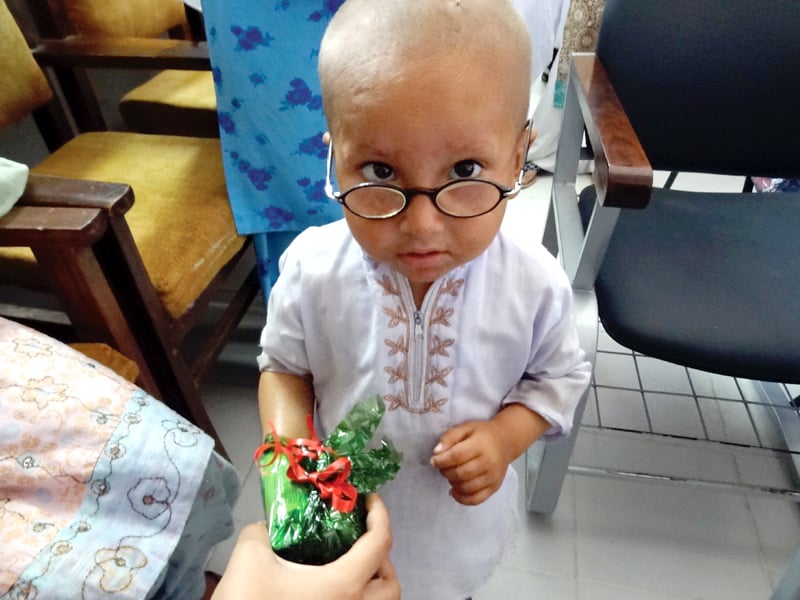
(264, 59)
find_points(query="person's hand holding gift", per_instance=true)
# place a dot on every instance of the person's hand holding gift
(364, 572)
(314, 492)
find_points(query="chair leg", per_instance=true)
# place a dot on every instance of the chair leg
(89, 301)
(546, 463)
(99, 313)
(550, 235)
(789, 587)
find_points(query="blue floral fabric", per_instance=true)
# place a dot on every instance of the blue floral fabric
(264, 61)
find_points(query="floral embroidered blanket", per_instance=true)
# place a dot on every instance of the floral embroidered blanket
(97, 478)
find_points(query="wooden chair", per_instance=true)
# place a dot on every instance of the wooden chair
(173, 101)
(145, 280)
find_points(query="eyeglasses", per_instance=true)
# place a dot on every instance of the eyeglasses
(461, 198)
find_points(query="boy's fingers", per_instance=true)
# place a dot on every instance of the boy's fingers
(453, 436)
(462, 472)
(443, 454)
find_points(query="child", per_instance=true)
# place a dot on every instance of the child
(418, 295)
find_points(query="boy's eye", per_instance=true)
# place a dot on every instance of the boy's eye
(465, 169)
(377, 172)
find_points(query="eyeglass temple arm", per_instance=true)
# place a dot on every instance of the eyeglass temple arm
(518, 183)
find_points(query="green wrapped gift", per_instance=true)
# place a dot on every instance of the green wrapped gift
(314, 491)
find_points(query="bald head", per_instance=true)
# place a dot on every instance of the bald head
(373, 45)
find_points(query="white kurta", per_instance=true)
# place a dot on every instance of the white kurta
(494, 331)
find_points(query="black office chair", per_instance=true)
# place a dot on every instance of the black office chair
(710, 281)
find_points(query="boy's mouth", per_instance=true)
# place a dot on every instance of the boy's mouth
(423, 259)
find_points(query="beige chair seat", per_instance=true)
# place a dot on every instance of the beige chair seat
(206, 241)
(106, 355)
(170, 103)
(173, 102)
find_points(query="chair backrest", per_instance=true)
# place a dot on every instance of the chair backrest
(24, 86)
(131, 18)
(687, 72)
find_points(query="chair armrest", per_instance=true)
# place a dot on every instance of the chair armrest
(623, 174)
(123, 53)
(52, 226)
(49, 191)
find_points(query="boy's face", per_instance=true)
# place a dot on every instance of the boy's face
(435, 125)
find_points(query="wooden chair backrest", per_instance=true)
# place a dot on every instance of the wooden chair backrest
(24, 86)
(131, 18)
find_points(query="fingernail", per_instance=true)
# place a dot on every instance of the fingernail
(438, 448)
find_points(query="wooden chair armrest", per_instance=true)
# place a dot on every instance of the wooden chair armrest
(48, 190)
(123, 53)
(50, 225)
(623, 174)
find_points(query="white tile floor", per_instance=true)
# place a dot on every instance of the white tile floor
(609, 538)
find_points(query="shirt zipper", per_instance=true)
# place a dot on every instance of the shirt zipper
(418, 350)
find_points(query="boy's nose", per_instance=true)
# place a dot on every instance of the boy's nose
(421, 217)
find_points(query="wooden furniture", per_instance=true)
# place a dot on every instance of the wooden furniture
(142, 276)
(176, 101)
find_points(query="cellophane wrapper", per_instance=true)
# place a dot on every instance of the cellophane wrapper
(302, 526)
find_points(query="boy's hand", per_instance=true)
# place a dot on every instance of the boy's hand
(473, 458)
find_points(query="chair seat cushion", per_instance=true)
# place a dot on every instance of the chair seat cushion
(106, 355)
(136, 18)
(18, 267)
(173, 102)
(180, 220)
(713, 282)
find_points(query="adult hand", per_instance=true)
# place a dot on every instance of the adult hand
(254, 571)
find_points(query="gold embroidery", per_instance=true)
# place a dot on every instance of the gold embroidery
(436, 346)
(31, 347)
(439, 346)
(43, 391)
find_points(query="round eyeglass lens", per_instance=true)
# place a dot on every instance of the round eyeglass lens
(374, 201)
(468, 198)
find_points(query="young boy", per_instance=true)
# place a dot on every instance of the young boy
(418, 295)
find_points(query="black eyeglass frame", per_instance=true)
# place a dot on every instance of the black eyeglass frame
(410, 193)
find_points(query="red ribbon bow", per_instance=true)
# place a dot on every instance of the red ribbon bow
(332, 482)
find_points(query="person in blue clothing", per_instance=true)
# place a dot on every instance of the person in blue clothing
(271, 121)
